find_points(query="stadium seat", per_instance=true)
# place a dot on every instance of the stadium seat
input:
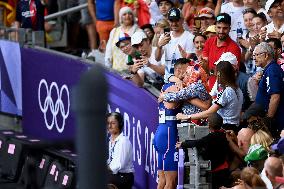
(52, 178)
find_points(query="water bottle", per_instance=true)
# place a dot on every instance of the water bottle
(239, 31)
(173, 63)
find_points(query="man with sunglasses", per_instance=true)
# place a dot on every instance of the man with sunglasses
(215, 46)
(275, 10)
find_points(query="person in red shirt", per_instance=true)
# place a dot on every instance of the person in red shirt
(217, 45)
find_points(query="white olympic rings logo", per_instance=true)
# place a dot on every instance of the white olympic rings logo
(54, 107)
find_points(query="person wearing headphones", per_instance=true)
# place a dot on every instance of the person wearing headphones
(120, 159)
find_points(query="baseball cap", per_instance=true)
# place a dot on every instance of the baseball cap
(228, 56)
(122, 37)
(256, 152)
(206, 12)
(279, 146)
(224, 17)
(269, 3)
(254, 110)
(174, 14)
(211, 29)
(170, 1)
(137, 37)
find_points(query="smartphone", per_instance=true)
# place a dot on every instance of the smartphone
(167, 30)
(130, 63)
(137, 55)
(197, 23)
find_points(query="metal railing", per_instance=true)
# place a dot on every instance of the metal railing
(196, 177)
(65, 12)
(22, 36)
(36, 38)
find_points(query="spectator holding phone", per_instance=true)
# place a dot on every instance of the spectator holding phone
(124, 44)
(114, 58)
(178, 43)
(204, 19)
(145, 66)
(190, 9)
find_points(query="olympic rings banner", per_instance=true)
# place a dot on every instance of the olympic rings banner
(47, 81)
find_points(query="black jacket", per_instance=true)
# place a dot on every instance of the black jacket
(213, 147)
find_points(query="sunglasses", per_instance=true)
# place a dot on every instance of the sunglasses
(220, 18)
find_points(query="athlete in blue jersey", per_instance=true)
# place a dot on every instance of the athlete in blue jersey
(166, 136)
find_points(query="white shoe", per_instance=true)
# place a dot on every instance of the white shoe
(92, 55)
(84, 54)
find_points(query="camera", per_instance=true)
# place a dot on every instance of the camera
(197, 23)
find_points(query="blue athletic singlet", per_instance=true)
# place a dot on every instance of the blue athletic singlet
(166, 137)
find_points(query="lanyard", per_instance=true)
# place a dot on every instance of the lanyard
(112, 151)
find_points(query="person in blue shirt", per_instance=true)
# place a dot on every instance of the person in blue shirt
(166, 135)
(270, 92)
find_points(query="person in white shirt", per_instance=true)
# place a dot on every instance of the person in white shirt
(145, 66)
(174, 45)
(275, 28)
(120, 160)
(235, 9)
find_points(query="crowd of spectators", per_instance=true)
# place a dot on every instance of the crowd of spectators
(233, 79)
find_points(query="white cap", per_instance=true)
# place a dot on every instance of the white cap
(137, 37)
(228, 56)
(268, 4)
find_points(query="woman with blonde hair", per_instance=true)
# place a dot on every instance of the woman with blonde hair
(263, 138)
